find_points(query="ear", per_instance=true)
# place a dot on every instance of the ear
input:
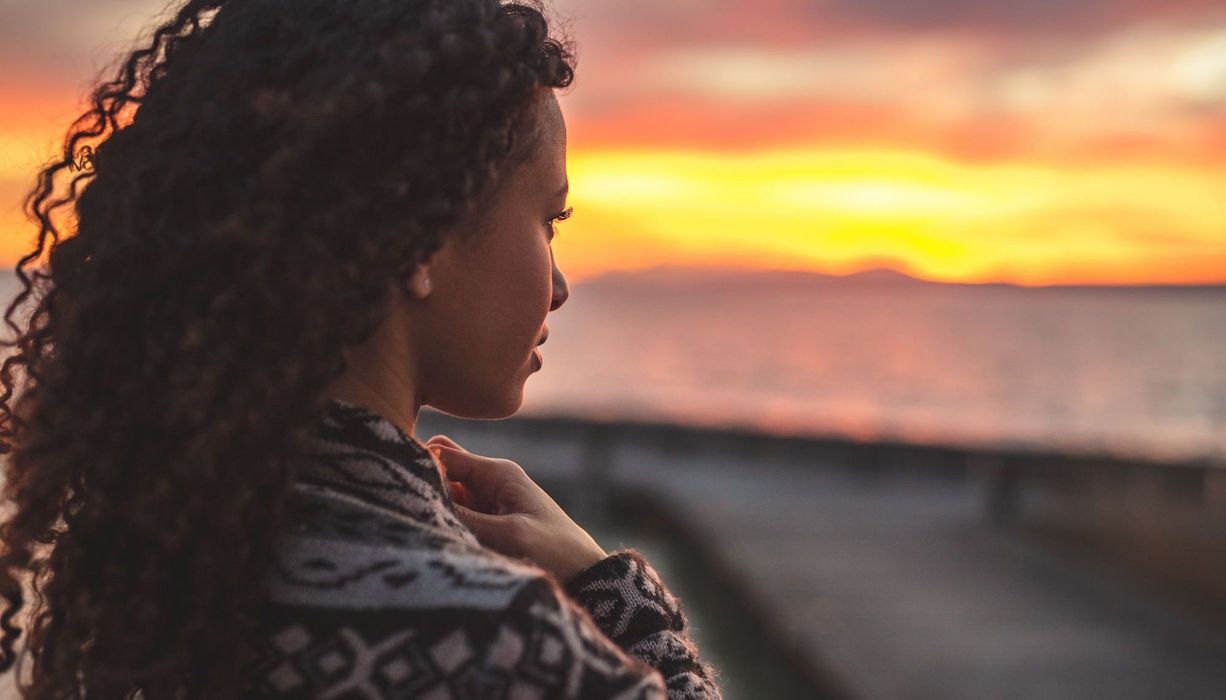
(418, 282)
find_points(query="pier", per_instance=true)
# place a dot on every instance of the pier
(904, 571)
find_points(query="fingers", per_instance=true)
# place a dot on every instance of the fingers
(458, 493)
(480, 476)
(480, 523)
(433, 445)
(443, 439)
(493, 531)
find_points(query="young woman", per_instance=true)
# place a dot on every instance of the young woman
(297, 223)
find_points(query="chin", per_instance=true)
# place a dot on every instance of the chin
(489, 406)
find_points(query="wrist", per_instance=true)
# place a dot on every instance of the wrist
(593, 556)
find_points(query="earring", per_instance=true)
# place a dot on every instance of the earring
(424, 286)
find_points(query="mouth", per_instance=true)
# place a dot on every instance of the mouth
(543, 339)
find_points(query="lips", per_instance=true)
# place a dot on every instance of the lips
(537, 359)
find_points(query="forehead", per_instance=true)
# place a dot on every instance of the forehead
(540, 173)
(548, 159)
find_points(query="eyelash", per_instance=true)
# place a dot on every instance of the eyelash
(563, 216)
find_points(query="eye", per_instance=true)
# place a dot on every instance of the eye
(561, 216)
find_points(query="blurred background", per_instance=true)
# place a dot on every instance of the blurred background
(896, 330)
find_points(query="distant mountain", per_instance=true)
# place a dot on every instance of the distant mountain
(691, 278)
(697, 278)
(880, 277)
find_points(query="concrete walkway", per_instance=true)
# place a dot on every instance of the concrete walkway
(900, 588)
(903, 591)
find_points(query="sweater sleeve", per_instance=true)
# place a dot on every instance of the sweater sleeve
(617, 633)
(626, 598)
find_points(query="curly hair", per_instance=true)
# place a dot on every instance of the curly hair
(260, 173)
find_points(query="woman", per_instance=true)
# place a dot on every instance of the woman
(300, 223)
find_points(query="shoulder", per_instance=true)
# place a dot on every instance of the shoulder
(364, 604)
(360, 574)
(456, 622)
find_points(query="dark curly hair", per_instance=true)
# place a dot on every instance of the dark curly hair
(260, 172)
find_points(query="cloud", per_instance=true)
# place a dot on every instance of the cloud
(627, 25)
(994, 78)
(861, 70)
(1005, 17)
(67, 41)
(1145, 89)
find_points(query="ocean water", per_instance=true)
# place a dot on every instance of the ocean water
(1135, 373)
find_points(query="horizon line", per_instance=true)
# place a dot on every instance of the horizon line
(715, 270)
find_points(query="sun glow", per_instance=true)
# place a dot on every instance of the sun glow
(830, 209)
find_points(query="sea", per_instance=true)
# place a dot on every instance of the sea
(1128, 372)
(1138, 373)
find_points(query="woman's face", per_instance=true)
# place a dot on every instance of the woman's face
(493, 285)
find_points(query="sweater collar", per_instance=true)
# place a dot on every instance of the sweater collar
(366, 460)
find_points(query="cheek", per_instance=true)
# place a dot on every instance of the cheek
(516, 293)
(544, 276)
(530, 280)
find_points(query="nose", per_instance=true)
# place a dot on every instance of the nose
(561, 290)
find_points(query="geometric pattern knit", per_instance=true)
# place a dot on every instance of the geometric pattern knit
(377, 590)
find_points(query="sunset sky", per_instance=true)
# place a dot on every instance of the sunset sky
(1033, 141)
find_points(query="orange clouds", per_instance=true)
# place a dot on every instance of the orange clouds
(832, 209)
(1000, 139)
(711, 124)
(1036, 143)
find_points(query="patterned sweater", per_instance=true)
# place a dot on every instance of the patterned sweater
(378, 591)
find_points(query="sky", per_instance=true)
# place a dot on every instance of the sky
(1029, 141)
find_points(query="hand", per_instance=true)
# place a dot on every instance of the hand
(511, 515)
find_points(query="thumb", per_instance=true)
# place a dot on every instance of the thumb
(486, 527)
(479, 475)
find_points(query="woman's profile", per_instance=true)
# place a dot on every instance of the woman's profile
(300, 223)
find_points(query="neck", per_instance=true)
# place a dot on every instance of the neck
(389, 400)
(381, 372)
